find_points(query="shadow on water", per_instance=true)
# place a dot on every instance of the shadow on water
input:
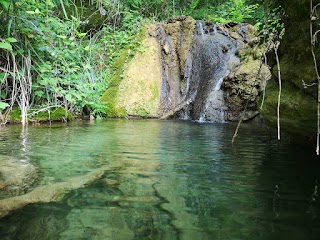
(178, 180)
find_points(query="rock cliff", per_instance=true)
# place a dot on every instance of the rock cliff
(298, 109)
(193, 70)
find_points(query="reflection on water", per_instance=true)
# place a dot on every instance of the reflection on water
(178, 180)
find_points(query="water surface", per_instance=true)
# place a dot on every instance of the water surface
(177, 180)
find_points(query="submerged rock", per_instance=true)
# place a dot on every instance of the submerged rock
(49, 193)
(16, 176)
(193, 70)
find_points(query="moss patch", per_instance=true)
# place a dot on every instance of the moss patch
(139, 90)
(57, 114)
(110, 96)
(298, 113)
(298, 71)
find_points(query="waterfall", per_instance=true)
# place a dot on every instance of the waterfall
(200, 29)
(195, 90)
(206, 67)
(213, 56)
(218, 84)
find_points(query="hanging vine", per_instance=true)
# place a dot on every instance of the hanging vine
(313, 37)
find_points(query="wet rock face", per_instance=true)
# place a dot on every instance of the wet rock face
(16, 176)
(215, 52)
(207, 72)
(208, 81)
(175, 39)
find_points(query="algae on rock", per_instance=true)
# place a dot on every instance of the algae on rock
(139, 90)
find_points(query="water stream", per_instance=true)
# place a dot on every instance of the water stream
(178, 180)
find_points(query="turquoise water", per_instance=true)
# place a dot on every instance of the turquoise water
(176, 180)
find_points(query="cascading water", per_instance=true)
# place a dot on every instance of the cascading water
(212, 54)
(200, 29)
(203, 78)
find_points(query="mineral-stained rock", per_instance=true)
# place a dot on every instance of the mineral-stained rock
(243, 86)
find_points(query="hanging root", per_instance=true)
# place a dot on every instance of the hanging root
(313, 37)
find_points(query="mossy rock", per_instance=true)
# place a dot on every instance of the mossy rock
(117, 70)
(298, 111)
(110, 96)
(57, 114)
(134, 88)
(298, 72)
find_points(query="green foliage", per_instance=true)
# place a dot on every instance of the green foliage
(55, 114)
(4, 4)
(194, 4)
(233, 11)
(3, 106)
(65, 70)
(156, 9)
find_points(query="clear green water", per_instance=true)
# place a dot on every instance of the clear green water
(178, 180)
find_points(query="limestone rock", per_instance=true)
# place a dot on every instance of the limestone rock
(139, 90)
(244, 85)
(49, 193)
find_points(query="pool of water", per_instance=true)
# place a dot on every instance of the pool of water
(177, 180)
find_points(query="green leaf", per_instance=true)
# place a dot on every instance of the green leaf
(78, 96)
(2, 94)
(87, 66)
(30, 12)
(50, 3)
(2, 75)
(5, 4)
(5, 45)
(37, 11)
(19, 51)
(39, 93)
(3, 105)
(69, 97)
(61, 36)
(81, 34)
(11, 40)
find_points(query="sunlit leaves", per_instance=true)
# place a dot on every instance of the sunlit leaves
(5, 4)
(11, 40)
(6, 45)
(50, 3)
(36, 11)
(3, 106)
